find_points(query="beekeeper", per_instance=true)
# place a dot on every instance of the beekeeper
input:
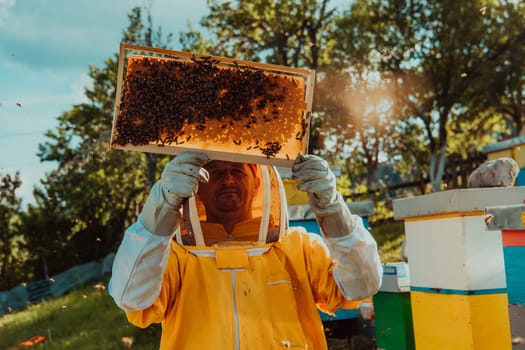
(212, 258)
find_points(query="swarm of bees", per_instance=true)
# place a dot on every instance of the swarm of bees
(168, 102)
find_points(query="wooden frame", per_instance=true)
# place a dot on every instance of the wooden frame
(216, 150)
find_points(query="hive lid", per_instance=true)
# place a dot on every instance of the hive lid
(170, 101)
(461, 200)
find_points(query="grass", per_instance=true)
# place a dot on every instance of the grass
(88, 319)
(83, 319)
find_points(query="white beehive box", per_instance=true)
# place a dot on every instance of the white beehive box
(448, 243)
(457, 253)
(396, 278)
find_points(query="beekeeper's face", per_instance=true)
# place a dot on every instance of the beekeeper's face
(230, 190)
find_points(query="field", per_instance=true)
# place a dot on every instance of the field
(83, 319)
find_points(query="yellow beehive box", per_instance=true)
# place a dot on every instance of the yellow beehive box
(512, 148)
(469, 322)
(171, 101)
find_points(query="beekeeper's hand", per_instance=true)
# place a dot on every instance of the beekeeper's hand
(179, 180)
(315, 177)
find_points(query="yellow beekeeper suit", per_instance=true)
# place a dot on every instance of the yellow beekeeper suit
(258, 288)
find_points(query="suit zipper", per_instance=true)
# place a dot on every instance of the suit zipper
(235, 313)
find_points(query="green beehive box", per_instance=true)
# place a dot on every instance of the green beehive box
(393, 318)
(393, 312)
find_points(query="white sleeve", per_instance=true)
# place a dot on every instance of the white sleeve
(138, 268)
(357, 266)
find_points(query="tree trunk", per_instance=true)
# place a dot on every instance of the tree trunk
(437, 168)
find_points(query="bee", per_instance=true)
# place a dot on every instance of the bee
(483, 11)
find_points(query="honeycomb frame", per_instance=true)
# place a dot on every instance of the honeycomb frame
(251, 133)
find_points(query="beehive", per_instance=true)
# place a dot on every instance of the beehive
(171, 101)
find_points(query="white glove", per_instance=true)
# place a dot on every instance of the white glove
(316, 178)
(179, 180)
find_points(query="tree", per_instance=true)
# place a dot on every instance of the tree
(361, 121)
(84, 206)
(510, 72)
(10, 237)
(47, 230)
(441, 55)
(283, 32)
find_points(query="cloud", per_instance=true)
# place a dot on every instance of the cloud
(71, 35)
(5, 5)
(42, 34)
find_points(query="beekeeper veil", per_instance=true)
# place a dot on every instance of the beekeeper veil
(269, 211)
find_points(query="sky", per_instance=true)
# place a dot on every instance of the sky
(46, 48)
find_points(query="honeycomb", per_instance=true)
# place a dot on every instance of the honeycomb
(203, 104)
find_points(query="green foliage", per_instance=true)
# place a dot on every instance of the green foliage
(85, 204)
(382, 213)
(389, 236)
(508, 75)
(360, 120)
(442, 57)
(284, 32)
(10, 238)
